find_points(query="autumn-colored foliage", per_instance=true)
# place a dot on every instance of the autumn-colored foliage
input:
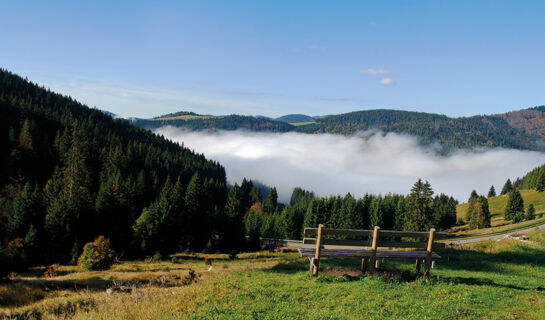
(51, 271)
(97, 255)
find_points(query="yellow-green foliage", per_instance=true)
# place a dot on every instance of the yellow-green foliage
(497, 204)
(298, 124)
(97, 255)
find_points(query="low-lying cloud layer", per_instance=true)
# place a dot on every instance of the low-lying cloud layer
(365, 163)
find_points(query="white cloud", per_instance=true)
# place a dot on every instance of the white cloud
(387, 82)
(374, 72)
(369, 162)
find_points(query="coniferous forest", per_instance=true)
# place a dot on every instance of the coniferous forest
(70, 173)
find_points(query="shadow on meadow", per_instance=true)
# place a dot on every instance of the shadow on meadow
(347, 269)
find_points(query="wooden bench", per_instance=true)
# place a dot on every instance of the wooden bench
(369, 257)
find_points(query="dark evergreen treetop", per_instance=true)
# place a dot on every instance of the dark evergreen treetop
(491, 192)
(507, 187)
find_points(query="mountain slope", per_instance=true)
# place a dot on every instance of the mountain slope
(524, 129)
(296, 118)
(69, 173)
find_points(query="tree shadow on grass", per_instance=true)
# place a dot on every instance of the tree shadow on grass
(452, 260)
(470, 260)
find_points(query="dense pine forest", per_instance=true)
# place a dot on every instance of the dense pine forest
(69, 173)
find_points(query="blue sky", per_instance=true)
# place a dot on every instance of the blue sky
(271, 58)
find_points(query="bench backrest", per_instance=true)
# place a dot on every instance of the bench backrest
(390, 234)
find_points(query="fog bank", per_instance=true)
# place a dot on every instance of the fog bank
(369, 162)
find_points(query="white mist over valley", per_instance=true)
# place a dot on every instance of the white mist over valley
(370, 162)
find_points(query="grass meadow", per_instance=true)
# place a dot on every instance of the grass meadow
(489, 280)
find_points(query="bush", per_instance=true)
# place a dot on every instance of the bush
(97, 255)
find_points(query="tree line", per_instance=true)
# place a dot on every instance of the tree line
(420, 210)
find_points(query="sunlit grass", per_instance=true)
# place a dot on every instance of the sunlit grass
(490, 280)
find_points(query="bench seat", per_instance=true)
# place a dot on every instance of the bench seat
(396, 255)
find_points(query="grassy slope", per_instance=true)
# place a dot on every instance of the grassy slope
(183, 117)
(497, 204)
(298, 124)
(497, 208)
(493, 280)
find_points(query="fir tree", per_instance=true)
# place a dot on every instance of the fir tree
(507, 187)
(25, 136)
(271, 202)
(530, 212)
(479, 214)
(515, 207)
(233, 228)
(491, 192)
(419, 207)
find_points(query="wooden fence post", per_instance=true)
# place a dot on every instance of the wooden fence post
(373, 259)
(318, 250)
(429, 253)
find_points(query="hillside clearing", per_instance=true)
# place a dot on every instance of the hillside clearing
(497, 204)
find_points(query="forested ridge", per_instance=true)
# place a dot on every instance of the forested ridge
(523, 129)
(69, 173)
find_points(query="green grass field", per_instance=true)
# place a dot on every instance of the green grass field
(184, 117)
(497, 204)
(491, 280)
(298, 124)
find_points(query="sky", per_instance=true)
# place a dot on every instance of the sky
(144, 59)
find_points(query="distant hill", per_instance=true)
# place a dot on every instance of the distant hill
(296, 118)
(523, 129)
(230, 122)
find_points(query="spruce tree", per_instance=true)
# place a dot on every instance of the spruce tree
(507, 187)
(233, 228)
(479, 214)
(419, 207)
(515, 207)
(271, 202)
(196, 215)
(491, 192)
(25, 136)
(540, 185)
(376, 213)
(530, 212)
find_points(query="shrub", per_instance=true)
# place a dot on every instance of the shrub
(97, 255)
(51, 271)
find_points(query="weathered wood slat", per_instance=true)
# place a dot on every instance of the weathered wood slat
(402, 255)
(367, 233)
(380, 244)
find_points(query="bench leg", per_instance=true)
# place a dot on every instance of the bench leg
(433, 264)
(363, 265)
(376, 264)
(418, 266)
(311, 262)
(427, 268)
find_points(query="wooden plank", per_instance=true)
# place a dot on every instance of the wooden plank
(429, 253)
(318, 250)
(339, 232)
(310, 252)
(366, 233)
(380, 244)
